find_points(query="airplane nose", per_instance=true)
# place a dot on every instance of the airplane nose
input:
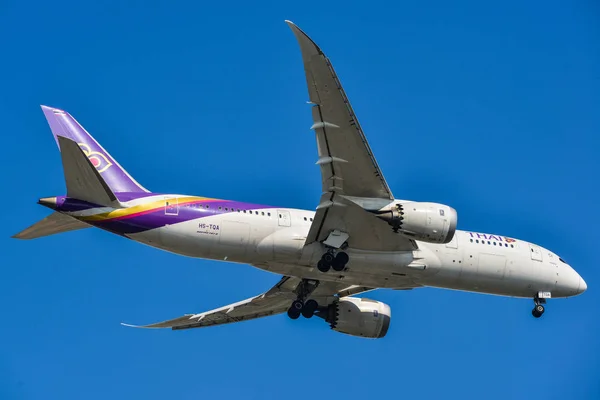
(569, 283)
(582, 286)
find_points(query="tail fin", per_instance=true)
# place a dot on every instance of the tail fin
(83, 180)
(53, 223)
(63, 125)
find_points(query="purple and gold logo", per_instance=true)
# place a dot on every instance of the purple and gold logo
(98, 160)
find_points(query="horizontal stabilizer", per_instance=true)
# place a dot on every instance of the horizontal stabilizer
(83, 180)
(54, 223)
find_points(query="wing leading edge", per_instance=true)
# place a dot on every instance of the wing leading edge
(352, 182)
(347, 163)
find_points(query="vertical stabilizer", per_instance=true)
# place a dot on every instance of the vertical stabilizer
(83, 180)
(64, 125)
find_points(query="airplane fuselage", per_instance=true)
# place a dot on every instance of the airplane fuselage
(360, 238)
(273, 239)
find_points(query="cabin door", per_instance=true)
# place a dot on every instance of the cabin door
(171, 206)
(284, 218)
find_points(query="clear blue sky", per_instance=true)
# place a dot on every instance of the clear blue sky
(493, 110)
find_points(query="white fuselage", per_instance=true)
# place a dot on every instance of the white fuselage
(273, 240)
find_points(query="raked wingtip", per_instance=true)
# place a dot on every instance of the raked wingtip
(131, 325)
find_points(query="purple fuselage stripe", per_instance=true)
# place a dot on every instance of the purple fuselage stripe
(159, 217)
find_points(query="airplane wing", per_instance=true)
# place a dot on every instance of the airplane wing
(352, 182)
(275, 301)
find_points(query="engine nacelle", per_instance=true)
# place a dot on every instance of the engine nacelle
(360, 317)
(428, 222)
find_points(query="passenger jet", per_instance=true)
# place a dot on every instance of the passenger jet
(360, 237)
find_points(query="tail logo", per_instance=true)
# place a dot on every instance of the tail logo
(98, 160)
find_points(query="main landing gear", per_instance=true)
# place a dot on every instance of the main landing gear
(300, 306)
(538, 309)
(330, 260)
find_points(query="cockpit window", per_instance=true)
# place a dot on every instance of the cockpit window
(563, 261)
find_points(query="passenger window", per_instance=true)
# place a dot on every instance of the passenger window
(269, 214)
(471, 240)
(207, 206)
(305, 219)
(263, 213)
(494, 243)
(489, 242)
(477, 241)
(512, 246)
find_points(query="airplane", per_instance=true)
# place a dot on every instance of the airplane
(359, 238)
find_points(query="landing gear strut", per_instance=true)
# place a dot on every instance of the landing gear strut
(329, 260)
(299, 306)
(538, 309)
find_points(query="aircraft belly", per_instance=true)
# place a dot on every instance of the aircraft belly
(351, 277)
(284, 244)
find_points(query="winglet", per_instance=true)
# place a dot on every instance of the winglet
(134, 326)
(172, 323)
(307, 45)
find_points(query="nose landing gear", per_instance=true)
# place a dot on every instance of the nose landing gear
(538, 309)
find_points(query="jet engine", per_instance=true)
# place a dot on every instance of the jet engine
(359, 317)
(428, 222)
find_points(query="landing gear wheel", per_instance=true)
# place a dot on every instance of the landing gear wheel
(297, 305)
(327, 258)
(293, 314)
(323, 266)
(538, 310)
(340, 261)
(342, 257)
(295, 309)
(309, 308)
(337, 266)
